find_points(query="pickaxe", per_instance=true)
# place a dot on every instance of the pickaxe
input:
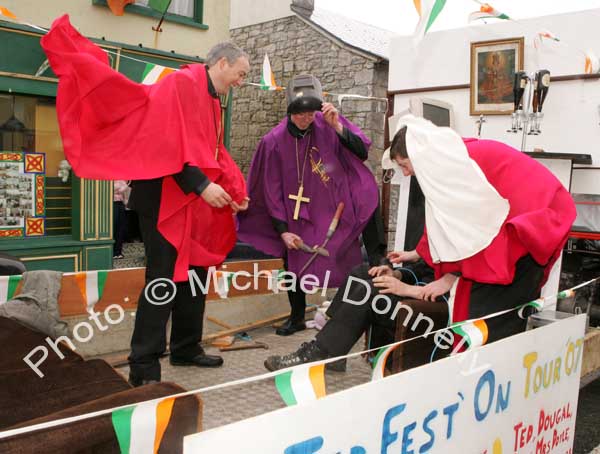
(311, 250)
(330, 231)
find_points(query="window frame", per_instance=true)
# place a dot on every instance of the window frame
(196, 21)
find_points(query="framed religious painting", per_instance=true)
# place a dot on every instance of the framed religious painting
(493, 67)
(22, 194)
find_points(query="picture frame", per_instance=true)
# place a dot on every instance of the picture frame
(22, 194)
(493, 67)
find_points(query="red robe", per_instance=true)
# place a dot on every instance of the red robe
(116, 129)
(538, 223)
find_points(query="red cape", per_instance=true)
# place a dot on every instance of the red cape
(116, 129)
(538, 223)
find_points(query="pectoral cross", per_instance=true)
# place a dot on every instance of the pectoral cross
(299, 199)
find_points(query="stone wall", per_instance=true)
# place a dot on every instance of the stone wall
(294, 47)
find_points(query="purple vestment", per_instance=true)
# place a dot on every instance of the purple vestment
(333, 175)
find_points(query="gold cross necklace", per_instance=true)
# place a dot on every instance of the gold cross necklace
(218, 129)
(298, 197)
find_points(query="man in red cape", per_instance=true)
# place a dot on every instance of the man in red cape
(168, 137)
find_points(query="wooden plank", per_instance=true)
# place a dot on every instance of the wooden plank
(591, 352)
(119, 359)
(253, 325)
(123, 287)
(216, 321)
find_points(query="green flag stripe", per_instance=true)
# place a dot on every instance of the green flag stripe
(159, 5)
(492, 16)
(121, 420)
(101, 281)
(263, 83)
(147, 69)
(378, 355)
(459, 330)
(435, 12)
(13, 281)
(283, 383)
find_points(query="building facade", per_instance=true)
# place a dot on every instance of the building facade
(347, 56)
(49, 218)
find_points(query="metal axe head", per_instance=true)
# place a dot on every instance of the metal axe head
(312, 250)
(320, 251)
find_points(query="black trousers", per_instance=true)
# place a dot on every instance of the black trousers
(119, 227)
(349, 321)
(297, 299)
(148, 342)
(489, 298)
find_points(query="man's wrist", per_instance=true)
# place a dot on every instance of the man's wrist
(199, 189)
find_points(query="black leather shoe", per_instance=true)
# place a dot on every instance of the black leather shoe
(336, 366)
(136, 382)
(201, 360)
(307, 353)
(290, 327)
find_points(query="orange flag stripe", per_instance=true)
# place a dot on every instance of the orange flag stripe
(7, 13)
(163, 416)
(418, 6)
(317, 378)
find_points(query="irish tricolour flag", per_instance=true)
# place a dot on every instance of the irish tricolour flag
(475, 333)
(428, 11)
(276, 276)
(140, 429)
(91, 286)
(154, 73)
(223, 283)
(8, 286)
(592, 63)
(380, 360)
(301, 384)
(487, 12)
(267, 79)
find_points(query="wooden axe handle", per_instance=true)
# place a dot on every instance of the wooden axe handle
(245, 346)
(336, 219)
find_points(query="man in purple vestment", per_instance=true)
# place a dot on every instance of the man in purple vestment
(301, 171)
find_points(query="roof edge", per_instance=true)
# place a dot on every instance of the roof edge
(357, 50)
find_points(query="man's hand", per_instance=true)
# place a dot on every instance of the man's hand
(332, 117)
(216, 196)
(397, 257)
(437, 288)
(391, 285)
(290, 240)
(241, 206)
(382, 270)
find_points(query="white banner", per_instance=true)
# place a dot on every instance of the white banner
(518, 395)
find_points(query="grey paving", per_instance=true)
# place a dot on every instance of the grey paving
(133, 256)
(235, 403)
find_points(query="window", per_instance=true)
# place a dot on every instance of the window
(186, 12)
(29, 124)
(179, 7)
